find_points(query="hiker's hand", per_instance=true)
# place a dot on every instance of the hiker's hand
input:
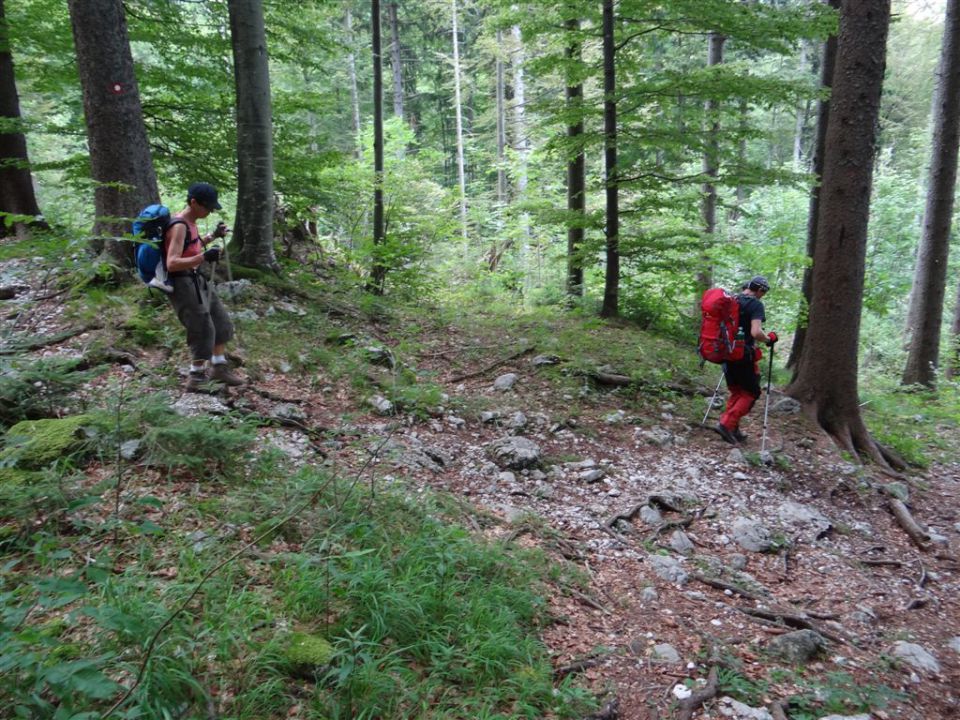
(772, 339)
(212, 255)
(221, 230)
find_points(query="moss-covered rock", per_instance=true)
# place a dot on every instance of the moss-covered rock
(33, 444)
(308, 652)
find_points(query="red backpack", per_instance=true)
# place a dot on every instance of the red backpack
(720, 337)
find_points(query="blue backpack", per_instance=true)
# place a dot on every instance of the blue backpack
(149, 230)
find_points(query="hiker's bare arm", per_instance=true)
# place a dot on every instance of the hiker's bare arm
(756, 330)
(175, 260)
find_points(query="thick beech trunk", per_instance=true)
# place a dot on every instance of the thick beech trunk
(120, 162)
(823, 121)
(611, 286)
(826, 380)
(925, 312)
(354, 92)
(576, 169)
(711, 167)
(396, 62)
(16, 184)
(253, 231)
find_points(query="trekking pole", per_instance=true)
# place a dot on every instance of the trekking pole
(713, 399)
(766, 408)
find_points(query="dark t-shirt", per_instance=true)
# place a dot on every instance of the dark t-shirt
(750, 309)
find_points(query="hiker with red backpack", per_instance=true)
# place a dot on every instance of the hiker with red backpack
(198, 308)
(732, 325)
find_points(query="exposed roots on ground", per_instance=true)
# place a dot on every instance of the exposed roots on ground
(852, 436)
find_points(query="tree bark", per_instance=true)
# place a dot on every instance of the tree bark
(813, 215)
(826, 380)
(925, 311)
(801, 111)
(379, 271)
(395, 60)
(253, 228)
(120, 162)
(354, 92)
(521, 137)
(576, 169)
(461, 175)
(611, 286)
(16, 184)
(711, 163)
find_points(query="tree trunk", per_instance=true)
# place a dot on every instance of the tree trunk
(496, 248)
(741, 192)
(395, 60)
(379, 271)
(930, 275)
(120, 162)
(16, 184)
(576, 169)
(813, 216)
(826, 380)
(801, 112)
(501, 124)
(354, 93)
(711, 162)
(521, 137)
(253, 230)
(611, 285)
(461, 175)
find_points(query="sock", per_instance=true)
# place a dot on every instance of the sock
(198, 367)
(219, 360)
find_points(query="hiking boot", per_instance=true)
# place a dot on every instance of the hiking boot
(198, 382)
(726, 434)
(739, 436)
(221, 374)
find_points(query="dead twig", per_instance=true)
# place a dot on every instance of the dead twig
(880, 563)
(484, 370)
(910, 526)
(577, 666)
(610, 711)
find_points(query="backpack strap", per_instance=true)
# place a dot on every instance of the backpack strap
(163, 240)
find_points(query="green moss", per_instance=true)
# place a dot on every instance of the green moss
(308, 651)
(33, 444)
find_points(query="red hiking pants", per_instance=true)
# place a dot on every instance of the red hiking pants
(743, 383)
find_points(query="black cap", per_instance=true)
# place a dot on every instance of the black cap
(205, 194)
(759, 282)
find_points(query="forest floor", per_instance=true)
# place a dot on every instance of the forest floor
(698, 555)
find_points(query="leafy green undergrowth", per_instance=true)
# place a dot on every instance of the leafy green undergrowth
(404, 614)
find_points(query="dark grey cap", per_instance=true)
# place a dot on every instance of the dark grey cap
(205, 194)
(759, 282)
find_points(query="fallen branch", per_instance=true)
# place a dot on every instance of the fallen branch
(794, 621)
(577, 666)
(721, 585)
(880, 563)
(691, 704)
(672, 525)
(916, 533)
(45, 341)
(776, 709)
(491, 366)
(610, 711)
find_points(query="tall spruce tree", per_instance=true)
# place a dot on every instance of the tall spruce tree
(17, 197)
(120, 161)
(925, 312)
(826, 381)
(611, 287)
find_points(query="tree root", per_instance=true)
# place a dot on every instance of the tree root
(41, 342)
(794, 621)
(916, 533)
(721, 585)
(610, 711)
(692, 704)
(577, 666)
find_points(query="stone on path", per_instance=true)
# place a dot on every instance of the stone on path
(798, 647)
(751, 535)
(915, 656)
(505, 382)
(514, 452)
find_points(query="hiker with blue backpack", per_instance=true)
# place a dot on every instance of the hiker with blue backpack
(177, 250)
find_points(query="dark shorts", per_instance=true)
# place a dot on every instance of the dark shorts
(206, 326)
(743, 374)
